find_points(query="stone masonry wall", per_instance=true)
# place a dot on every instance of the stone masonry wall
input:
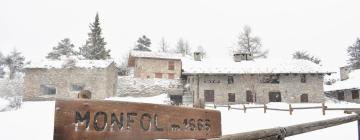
(146, 68)
(290, 88)
(97, 80)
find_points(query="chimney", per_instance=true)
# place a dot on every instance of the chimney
(238, 57)
(197, 56)
(344, 73)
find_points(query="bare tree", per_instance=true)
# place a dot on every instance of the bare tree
(164, 47)
(183, 47)
(247, 43)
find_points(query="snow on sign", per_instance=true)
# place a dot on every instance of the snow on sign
(109, 120)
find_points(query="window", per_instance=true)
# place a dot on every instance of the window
(209, 95)
(230, 79)
(171, 76)
(48, 89)
(340, 95)
(176, 99)
(249, 96)
(274, 79)
(77, 87)
(274, 96)
(303, 78)
(171, 65)
(158, 75)
(355, 94)
(231, 97)
(304, 98)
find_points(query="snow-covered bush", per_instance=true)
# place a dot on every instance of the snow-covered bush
(11, 91)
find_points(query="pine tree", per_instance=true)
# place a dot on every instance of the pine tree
(94, 49)
(15, 62)
(305, 56)
(64, 48)
(247, 43)
(143, 44)
(354, 53)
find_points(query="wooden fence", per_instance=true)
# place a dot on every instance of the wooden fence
(290, 109)
(279, 133)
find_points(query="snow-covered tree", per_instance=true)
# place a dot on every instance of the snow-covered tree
(164, 47)
(143, 44)
(123, 69)
(2, 72)
(183, 47)
(202, 51)
(15, 62)
(354, 53)
(306, 56)
(247, 43)
(94, 49)
(64, 48)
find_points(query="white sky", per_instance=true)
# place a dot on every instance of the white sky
(325, 28)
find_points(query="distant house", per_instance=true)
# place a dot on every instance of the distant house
(155, 65)
(243, 80)
(65, 79)
(347, 89)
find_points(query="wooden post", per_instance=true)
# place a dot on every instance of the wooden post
(265, 107)
(323, 108)
(358, 123)
(290, 109)
(244, 108)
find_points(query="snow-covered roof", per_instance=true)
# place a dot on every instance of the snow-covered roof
(146, 54)
(352, 83)
(57, 64)
(257, 66)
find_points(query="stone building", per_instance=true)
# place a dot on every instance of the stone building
(347, 89)
(243, 80)
(65, 79)
(155, 65)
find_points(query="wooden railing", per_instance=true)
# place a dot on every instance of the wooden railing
(290, 109)
(279, 133)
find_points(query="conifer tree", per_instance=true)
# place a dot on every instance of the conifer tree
(354, 53)
(94, 49)
(143, 44)
(64, 48)
(15, 62)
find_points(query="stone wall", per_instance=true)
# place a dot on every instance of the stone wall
(347, 95)
(290, 87)
(101, 82)
(147, 67)
(138, 87)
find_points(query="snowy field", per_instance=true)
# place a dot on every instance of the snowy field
(35, 120)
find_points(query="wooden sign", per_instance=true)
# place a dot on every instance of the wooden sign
(115, 120)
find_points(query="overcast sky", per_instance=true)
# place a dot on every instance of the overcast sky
(324, 28)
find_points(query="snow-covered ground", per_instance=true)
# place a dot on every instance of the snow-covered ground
(35, 120)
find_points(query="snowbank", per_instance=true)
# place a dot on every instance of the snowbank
(159, 99)
(4, 104)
